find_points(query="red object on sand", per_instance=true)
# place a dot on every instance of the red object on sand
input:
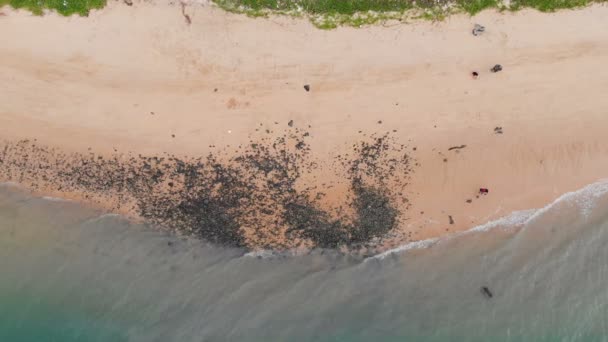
(483, 190)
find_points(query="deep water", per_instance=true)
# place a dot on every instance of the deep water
(70, 274)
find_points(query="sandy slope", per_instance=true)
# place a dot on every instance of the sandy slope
(81, 83)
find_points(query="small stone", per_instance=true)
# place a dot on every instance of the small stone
(478, 30)
(307, 87)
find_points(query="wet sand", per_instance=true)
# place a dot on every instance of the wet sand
(131, 81)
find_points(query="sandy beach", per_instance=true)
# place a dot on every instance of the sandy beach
(140, 80)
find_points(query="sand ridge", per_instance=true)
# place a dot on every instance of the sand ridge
(140, 80)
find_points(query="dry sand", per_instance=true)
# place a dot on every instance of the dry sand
(92, 83)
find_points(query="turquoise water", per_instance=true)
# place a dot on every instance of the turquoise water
(70, 274)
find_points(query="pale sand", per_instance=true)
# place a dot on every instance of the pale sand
(81, 83)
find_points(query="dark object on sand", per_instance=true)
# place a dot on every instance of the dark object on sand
(128, 2)
(498, 130)
(307, 87)
(469, 200)
(484, 191)
(486, 292)
(290, 123)
(475, 74)
(456, 147)
(451, 219)
(186, 16)
(496, 68)
(478, 30)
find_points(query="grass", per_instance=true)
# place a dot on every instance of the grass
(64, 7)
(473, 7)
(329, 14)
(550, 5)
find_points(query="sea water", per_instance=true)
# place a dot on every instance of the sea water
(70, 274)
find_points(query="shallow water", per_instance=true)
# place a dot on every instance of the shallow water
(69, 274)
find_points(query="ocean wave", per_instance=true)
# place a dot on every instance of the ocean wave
(11, 184)
(421, 244)
(585, 198)
(262, 254)
(55, 199)
(270, 254)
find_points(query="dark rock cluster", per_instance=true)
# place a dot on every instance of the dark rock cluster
(251, 197)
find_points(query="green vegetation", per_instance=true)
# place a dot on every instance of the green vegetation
(550, 5)
(328, 14)
(475, 6)
(64, 7)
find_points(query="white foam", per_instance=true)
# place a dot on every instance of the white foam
(55, 199)
(11, 184)
(516, 218)
(262, 253)
(585, 198)
(268, 254)
(422, 244)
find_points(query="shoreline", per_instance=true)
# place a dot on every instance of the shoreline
(150, 89)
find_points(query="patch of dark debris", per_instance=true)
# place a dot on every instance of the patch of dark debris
(253, 199)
